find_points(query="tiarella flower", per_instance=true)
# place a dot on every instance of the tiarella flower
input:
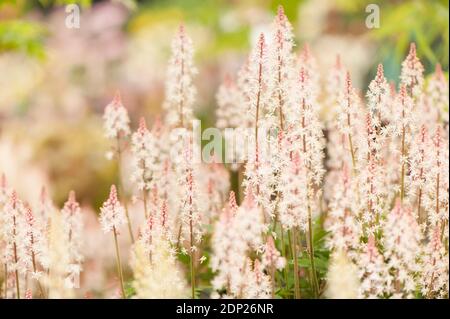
(371, 178)
(250, 222)
(257, 283)
(112, 213)
(401, 129)
(160, 278)
(419, 164)
(281, 63)
(335, 85)
(180, 90)
(293, 194)
(258, 87)
(229, 109)
(344, 228)
(73, 227)
(229, 251)
(45, 207)
(437, 94)
(373, 271)
(15, 231)
(116, 120)
(307, 61)
(412, 73)
(37, 248)
(260, 178)
(437, 183)
(190, 218)
(271, 257)
(343, 282)
(306, 133)
(402, 236)
(213, 178)
(348, 121)
(145, 162)
(434, 275)
(378, 97)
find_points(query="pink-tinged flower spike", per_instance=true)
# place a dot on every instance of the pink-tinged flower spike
(116, 124)
(373, 271)
(180, 90)
(116, 120)
(15, 231)
(261, 179)
(189, 219)
(293, 210)
(112, 217)
(73, 229)
(412, 73)
(437, 184)
(378, 99)
(335, 85)
(28, 294)
(371, 187)
(250, 222)
(36, 247)
(437, 94)
(306, 133)
(112, 213)
(145, 161)
(401, 129)
(258, 88)
(307, 61)
(342, 223)
(257, 284)
(419, 165)
(434, 275)
(402, 237)
(272, 260)
(229, 251)
(349, 105)
(229, 109)
(281, 62)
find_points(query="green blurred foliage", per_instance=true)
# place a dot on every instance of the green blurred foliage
(49, 3)
(401, 22)
(16, 35)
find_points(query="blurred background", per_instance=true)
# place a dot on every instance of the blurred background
(55, 81)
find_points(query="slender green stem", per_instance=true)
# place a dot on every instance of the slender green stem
(120, 189)
(315, 283)
(33, 258)
(295, 259)
(272, 275)
(119, 264)
(284, 254)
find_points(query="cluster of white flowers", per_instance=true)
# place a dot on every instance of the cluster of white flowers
(145, 157)
(401, 247)
(236, 234)
(116, 120)
(27, 250)
(398, 153)
(180, 91)
(73, 229)
(373, 272)
(112, 213)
